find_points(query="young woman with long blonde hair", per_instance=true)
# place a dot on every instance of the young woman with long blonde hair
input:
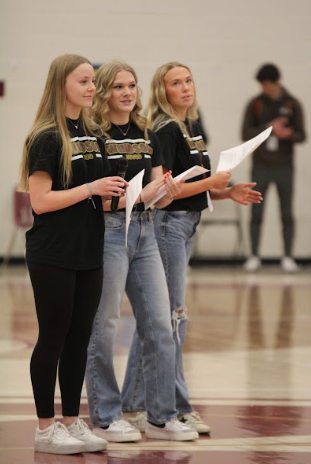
(136, 269)
(172, 114)
(63, 168)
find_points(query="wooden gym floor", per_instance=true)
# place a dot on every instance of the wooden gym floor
(247, 363)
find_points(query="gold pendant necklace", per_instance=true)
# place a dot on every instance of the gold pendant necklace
(76, 126)
(122, 132)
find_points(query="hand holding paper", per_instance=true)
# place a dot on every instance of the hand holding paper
(192, 172)
(230, 158)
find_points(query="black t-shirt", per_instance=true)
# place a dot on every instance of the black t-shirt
(71, 237)
(141, 153)
(182, 152)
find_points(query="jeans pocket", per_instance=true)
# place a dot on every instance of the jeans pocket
(114, 220)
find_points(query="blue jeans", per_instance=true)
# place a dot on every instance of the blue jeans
(175, 232)
(138, 270)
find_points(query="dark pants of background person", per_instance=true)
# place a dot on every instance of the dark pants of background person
(66, 302)
(283, 177)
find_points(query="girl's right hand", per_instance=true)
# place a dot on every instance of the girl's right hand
(108, 187)
(152, 188)
(220, 180)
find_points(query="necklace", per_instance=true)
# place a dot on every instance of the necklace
(75, 125)
(122, 132)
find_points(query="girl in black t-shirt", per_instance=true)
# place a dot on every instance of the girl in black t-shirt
(136, 269)
(63, 169)
(172, 114)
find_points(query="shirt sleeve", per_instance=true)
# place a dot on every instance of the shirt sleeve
(250, 125)
(157, 156)
(44, 154)
(299, 134)
(168, 137)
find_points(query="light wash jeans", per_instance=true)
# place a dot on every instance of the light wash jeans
(175, 232)
(138, 270)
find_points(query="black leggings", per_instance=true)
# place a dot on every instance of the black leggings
(66, 302)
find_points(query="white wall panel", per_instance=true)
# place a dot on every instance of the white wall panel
(223, 43)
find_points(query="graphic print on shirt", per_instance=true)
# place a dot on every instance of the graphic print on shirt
(196, 144)
(129, 148)
(197, 147)
(141, 152)
(85, 147)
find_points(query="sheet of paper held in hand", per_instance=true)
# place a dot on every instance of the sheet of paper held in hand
(132, 192)
(229, 159)
(192, 172)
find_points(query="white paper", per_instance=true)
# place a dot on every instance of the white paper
(132, 192)
(192, 172)
(209, 202)
(229, 159)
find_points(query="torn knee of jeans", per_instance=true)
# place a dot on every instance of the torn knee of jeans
(177, 316)
(180, 313)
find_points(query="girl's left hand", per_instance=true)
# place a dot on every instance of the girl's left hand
(243, 193)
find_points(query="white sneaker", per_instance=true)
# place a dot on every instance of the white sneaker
(137, 419)
(80, 430)
(194, 420)
(172, 430)
(57, 440)
(252, 264)
(118, 431)
(288, 264)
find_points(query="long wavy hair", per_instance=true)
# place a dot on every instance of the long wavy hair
(51, 116)
(160, 112)
(99, 111)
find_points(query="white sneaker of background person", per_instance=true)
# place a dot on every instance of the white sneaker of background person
(288, 264)
(194, 420)
(252, 264)
(56, 439)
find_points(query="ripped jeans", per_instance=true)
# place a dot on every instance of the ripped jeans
(175, 232)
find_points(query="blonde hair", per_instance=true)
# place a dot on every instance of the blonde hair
(160, 111)
(99, 111)
(51, 116)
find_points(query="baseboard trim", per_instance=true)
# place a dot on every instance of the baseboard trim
(198, 261)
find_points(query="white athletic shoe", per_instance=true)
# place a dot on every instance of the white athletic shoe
(80, 430)
(137, 419)
(57, 440)
(119, 431)
(288, 264)
(252, 264)
(193, 419)
(171, 430)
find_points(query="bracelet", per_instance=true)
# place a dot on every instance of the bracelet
(91, 193)
(170, 198)
(89, 189)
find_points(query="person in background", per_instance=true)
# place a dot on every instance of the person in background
(273, 161)
(136, 269)
(172, 114)
(63, 169)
